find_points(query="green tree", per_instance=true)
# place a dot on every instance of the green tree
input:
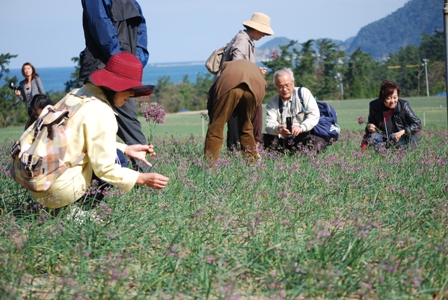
(9, 115)
(432, 48)
(73, 81)
(200, 90)
(305, 66)
(405, 68)
(284, 59)
(330, 68)
(359, 81)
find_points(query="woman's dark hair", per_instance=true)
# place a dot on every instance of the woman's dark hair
(40, 101)
(387, 89)
(33, 74)
(109, 95)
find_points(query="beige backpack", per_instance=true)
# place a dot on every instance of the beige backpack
(38, 154)
(213, 63)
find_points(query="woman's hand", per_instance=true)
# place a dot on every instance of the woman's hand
(140, 152)
(371, 128)
(152, 180)
(399, 134)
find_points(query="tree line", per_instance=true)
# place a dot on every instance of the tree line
(328, 72)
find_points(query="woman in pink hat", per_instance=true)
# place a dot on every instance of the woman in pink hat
(92, 130)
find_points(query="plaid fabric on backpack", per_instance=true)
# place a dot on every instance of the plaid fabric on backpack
(38, 155)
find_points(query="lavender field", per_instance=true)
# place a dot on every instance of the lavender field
(339, 225)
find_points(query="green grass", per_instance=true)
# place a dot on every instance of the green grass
(432, 110)
(338, 225)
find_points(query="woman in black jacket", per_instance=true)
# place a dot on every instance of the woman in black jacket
(391, 120)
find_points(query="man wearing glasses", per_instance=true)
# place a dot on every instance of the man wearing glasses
(291, 114)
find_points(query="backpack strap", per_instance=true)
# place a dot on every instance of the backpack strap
(299, 94)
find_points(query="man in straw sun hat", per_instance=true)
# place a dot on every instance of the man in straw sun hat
(238, 91)
(242, 47)
(92, 130)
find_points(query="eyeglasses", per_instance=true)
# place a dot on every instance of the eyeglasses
(285, 86)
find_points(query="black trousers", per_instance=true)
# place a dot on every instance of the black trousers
(292, 144)
(233, 137)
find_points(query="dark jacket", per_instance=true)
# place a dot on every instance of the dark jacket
(402, 117)
(326, 128)
(36, 88)
(111, 27)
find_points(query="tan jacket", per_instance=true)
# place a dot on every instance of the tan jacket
(234, 73)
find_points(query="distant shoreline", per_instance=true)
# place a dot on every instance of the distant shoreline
(54, 78)
(151, 65)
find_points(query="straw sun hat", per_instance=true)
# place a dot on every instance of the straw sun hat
(260, 22)
(123, 72)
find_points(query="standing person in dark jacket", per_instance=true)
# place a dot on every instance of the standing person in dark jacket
(111, 27)
(391, 120)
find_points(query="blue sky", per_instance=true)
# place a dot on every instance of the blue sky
(48, 33)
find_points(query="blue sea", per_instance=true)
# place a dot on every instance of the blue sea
(54, 79)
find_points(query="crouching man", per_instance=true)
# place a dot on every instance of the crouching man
(289, 120)
(237, 91)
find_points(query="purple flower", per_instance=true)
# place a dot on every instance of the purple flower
(153, 112)
(274, 55)
(361, 120)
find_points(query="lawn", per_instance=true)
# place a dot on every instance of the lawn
(339, 225)
(432, 111)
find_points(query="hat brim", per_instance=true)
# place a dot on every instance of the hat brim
(144, 90)
(260, 27)
(118, 83)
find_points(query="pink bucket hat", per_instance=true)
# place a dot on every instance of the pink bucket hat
(123, 72)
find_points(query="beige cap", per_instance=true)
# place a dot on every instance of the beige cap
(260, 22)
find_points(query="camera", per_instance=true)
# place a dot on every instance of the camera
(289, 126)
(13, 87)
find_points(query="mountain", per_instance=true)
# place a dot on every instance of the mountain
(263, 52)
(401, 28)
